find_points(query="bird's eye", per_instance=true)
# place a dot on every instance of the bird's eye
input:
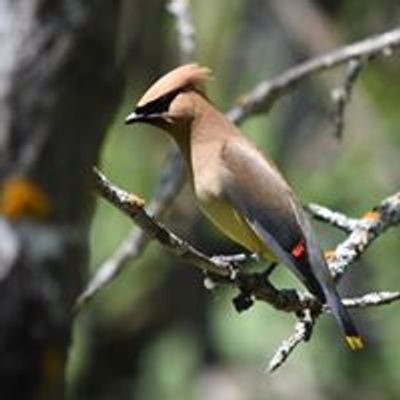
(158, 105)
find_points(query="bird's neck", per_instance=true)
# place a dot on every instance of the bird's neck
(202, 139)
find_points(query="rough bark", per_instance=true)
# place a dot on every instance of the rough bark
(59, 86)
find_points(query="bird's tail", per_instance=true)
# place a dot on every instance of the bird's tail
(353, 338)
(332, 298)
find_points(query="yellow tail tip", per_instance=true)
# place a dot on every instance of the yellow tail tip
(354, 342)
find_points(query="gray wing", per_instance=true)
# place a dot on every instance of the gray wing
(259, 192)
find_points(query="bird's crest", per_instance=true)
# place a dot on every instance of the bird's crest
(179, 78)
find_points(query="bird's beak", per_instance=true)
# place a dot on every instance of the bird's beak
(134, 117)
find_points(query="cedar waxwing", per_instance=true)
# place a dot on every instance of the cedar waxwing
(237, 188)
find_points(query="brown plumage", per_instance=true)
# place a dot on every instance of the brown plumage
(238, 189)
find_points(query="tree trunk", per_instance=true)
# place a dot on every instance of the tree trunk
(59, 87)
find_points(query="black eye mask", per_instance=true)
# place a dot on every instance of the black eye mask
(159, 105)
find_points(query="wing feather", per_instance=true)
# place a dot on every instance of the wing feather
(271, 210)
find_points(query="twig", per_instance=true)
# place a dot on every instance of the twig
(363, 232)
(180, 9)
(369, 228)
(135, 243)
(342, 95)
(372, 300)
(263, 96)
(131, 247)
(335, 218)
(302, 332)
(304, 326)
(131, 205)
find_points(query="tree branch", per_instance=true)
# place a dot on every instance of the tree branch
(302, 332)
(342, 95)
(221, 268)
(373, 224)
(261, 98)
(304, 326)
(217, 268)
(362, 232)
(180, 9)
(335, 218)
(372, 300)
(135, 243)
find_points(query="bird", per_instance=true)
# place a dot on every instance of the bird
(237, 187)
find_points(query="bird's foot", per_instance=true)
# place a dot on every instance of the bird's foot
(243, 301)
